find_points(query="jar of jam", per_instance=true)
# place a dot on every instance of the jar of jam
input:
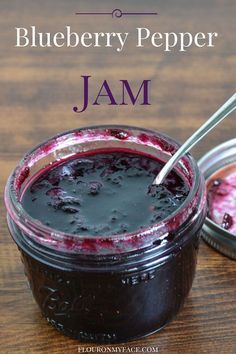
(219, 169)
(109, 257)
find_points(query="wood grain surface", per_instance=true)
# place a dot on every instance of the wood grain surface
(39, 87)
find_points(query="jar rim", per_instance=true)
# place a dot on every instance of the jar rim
(27, 223)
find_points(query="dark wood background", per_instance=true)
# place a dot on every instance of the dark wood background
(39, 87)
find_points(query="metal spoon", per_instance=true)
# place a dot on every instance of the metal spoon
(227, 108)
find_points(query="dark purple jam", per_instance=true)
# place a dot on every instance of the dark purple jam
(103, 194)
(125, 260)
(222, 198)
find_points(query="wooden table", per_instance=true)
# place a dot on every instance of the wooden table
(39, 87)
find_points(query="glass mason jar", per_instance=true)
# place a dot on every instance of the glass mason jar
(108, 288)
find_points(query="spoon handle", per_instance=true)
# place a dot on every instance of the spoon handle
(227, 108)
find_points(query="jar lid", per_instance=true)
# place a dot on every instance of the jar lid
(215, 235)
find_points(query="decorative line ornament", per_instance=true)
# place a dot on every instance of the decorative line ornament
(118, 13)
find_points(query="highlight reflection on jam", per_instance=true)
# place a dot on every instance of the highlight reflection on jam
(222, 198)
(103, 194)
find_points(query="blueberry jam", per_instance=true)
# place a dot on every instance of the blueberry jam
(222, 198)
(109, 257)
(103, 194)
